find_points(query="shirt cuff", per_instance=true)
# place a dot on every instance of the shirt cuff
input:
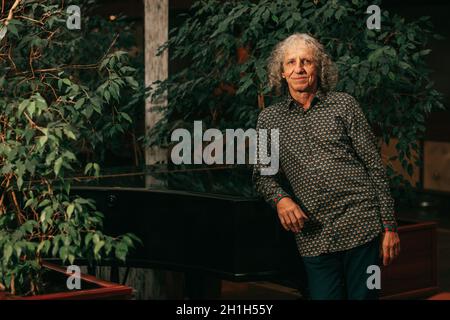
(278, 197)
(390, 227)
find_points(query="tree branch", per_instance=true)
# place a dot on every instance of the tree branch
(11, 11)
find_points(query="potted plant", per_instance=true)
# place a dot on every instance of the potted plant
(61, 104)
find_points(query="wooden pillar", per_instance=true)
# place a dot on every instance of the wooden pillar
(156, 67)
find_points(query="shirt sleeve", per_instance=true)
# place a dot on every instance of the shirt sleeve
(268, 186)
(365, 145)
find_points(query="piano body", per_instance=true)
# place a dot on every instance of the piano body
(208, 224)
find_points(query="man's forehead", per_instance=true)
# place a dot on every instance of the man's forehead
(299, 49)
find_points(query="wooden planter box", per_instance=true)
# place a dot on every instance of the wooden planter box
(96, 289)
(414, 274)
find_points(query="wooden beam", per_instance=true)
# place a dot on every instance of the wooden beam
(156, 67)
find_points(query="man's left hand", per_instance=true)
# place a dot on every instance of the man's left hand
(390, 247)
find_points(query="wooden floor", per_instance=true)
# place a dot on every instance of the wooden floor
(257, 291)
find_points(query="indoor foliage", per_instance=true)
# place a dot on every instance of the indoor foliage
(65, 96)
(225, 45)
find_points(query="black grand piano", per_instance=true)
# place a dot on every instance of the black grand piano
(205, 222)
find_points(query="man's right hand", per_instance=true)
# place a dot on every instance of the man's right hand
(291, 216)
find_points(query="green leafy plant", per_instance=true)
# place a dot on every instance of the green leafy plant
(65, 95)
(225, 46)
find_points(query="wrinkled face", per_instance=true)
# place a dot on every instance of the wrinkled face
(299, 68)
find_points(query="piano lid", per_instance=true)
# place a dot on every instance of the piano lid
(224, 180)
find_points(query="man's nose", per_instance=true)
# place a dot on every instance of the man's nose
(299, 68)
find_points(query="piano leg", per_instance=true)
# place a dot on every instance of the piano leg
(174, 285)
(92, 270)
(114, 274)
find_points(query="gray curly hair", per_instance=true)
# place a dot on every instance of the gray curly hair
(327, 71)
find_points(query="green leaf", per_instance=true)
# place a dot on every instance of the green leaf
(18, 248)
(121, 251)
(42, 140)
(134, 238)
(132, 82)
(245, 86)
(30, 225)
(44, 203)
(3, 31)
(126, 117)
(425, 52)
(47, 246)
(96, 238)
(127, 240)
(64, 253)
(106, 95)
(58, 164)
(7, 253)
(404, 65)
(70, 210)
(22, 106)
(88, 238)
(12, 28)
(70, 134)
(29, 202)
(31, 108)
(375, 54)
(97, 169)
(289, 23)
(19, 182)
(98, 246)
(391, 76)
(79, 104)
(88, 167)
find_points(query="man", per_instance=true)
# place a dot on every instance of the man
(340, 207)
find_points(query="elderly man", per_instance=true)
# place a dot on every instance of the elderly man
(340, 207)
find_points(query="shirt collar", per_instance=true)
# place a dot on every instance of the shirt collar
(319, 96)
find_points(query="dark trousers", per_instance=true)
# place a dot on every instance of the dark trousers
(343, 275)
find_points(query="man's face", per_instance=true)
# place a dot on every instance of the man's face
(299, 68)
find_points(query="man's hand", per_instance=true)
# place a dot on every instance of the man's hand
(390, 247)
(291, 216)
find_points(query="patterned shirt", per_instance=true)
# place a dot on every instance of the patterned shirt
(331, 167)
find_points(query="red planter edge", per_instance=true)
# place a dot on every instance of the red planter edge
(106, 291)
